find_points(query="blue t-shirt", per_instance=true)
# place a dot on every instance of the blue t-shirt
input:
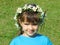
(37, 40)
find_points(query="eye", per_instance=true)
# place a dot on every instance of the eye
(26, 23)
(34, 24)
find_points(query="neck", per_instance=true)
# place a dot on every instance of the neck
(28, 35)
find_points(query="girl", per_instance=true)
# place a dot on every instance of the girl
(28, 19)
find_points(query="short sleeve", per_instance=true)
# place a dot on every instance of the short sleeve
(12, 42)
(49, 42)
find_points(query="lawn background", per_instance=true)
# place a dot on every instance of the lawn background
(51, 28)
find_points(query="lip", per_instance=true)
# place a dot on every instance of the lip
(31, 31)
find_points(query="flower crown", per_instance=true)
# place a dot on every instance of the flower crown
(32, 7)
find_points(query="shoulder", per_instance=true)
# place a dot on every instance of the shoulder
(42, 37)
(14, 40)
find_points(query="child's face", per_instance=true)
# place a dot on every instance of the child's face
(29, 29)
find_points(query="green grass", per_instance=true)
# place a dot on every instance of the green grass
(52, 22)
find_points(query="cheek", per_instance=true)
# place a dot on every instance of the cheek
(24, 27)
(35, 27)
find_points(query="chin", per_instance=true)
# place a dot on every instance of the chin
(31, 34)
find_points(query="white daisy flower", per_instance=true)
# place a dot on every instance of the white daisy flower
(25, 7)
(29, 6)
(34, 9)
(37, 6)
(19, 10)
(42, 14)
(16, 25)
(39, 10)
(15, 17)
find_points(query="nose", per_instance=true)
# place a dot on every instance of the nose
(30, 27)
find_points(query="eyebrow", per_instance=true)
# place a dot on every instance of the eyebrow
(30, 23)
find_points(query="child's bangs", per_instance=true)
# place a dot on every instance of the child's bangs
(32, 19)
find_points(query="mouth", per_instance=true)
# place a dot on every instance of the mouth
(31, 31)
